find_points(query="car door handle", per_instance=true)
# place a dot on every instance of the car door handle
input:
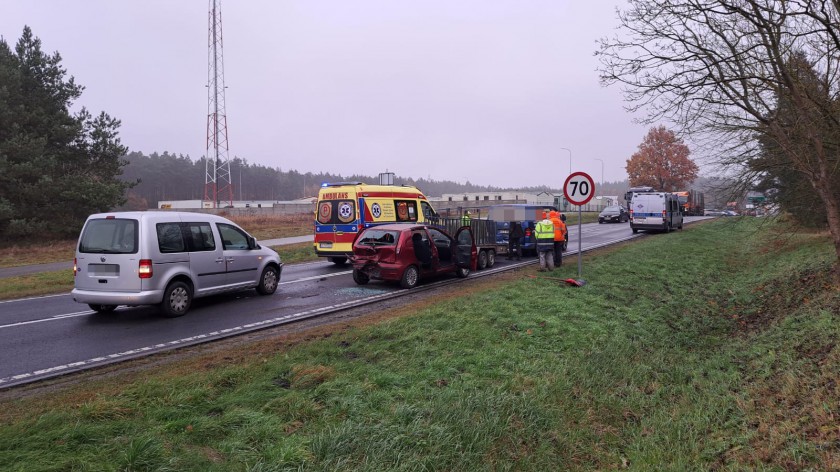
(220, 260)
(231, 259)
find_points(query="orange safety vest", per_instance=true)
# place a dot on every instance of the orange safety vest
(559, 229)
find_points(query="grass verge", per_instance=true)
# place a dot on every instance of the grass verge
(710, 348)
(42, 283)
(295, 253)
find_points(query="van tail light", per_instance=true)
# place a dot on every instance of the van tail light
(145, 269)
(75, 267)
(664, 215)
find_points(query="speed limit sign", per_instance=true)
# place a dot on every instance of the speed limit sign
(579, 188)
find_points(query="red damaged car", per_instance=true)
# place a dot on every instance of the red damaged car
(407, 253)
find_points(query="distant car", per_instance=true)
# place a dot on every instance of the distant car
(407, 253)
(614, 213)
(708, 212)
(730, 213)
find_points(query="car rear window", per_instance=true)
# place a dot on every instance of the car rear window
(109, 236)
(378, 237)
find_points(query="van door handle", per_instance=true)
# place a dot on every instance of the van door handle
(220, 260)
(231, 260)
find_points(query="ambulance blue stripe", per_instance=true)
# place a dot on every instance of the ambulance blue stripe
(328, 228)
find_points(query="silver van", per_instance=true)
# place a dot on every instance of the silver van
(167, 258)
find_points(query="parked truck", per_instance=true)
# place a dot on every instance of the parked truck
(691, 202)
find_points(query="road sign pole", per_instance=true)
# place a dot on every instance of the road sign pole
(580, 239)
(578, 189)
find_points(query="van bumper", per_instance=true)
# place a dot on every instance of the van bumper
(150, 297)
(651, 227)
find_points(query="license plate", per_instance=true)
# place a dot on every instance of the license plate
(104, 270)
(325, 245)
(639, 220)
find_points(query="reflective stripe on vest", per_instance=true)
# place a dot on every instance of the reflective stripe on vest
(544, 231)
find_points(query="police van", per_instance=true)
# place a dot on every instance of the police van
(346, 208)
(655, 211)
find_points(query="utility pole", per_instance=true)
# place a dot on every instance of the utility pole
(217, 183)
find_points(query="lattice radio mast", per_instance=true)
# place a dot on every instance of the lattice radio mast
(217, 184)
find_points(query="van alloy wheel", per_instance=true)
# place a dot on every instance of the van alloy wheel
(176, 300)
(268, 281)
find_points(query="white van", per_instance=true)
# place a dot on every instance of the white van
(167, 258)
(658, 211)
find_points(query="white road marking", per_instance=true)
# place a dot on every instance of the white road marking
(189, 340)
(52, 318)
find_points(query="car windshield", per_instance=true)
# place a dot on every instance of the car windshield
(378, 237)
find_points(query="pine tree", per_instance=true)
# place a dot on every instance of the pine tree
(55, 167)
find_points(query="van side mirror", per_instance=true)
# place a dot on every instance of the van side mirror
(252, 243)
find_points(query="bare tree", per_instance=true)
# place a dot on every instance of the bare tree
(719, 68)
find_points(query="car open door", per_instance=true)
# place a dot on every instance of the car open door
(466, 253)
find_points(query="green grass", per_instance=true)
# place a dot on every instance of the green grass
(43, 283)
(295, 253)
(709, 348)
(588, 217)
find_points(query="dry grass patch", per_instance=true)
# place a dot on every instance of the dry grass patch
(275, 226)
(38, 253)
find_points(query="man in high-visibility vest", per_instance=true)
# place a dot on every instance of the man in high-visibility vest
(465, 220)
(544, 233)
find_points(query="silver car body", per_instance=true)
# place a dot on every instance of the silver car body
(209, 253)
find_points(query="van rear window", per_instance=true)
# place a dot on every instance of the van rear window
(109, 236)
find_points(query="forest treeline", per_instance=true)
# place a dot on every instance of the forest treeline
(168, 176)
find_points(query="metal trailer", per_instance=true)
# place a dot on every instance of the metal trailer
(485, 234)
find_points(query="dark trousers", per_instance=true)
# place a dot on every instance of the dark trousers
(515, 248)
(558, 253)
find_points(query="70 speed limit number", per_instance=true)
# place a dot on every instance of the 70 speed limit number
(579, 188)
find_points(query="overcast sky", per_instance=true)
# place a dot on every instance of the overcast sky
(488, 91)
